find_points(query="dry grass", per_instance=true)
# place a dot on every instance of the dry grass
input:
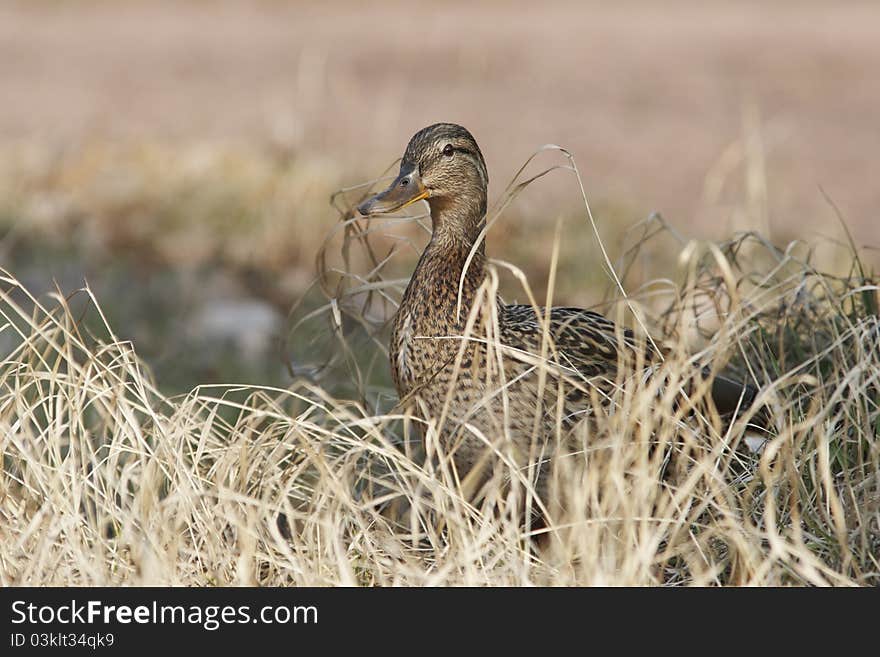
(107, 481)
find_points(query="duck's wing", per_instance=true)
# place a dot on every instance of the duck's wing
(590, 345)
(581, 340)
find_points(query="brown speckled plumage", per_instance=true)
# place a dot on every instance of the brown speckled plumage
(450, 373)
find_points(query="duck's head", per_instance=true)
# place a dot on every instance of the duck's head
(444, 166)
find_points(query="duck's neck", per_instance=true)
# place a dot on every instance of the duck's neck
(433, 289)
(456, 223)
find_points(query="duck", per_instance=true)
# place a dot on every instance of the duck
(495, 381)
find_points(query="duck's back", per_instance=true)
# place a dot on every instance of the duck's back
(511, 384)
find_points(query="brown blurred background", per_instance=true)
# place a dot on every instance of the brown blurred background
(721, 115)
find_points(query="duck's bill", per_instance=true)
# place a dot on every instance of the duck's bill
(406, 189)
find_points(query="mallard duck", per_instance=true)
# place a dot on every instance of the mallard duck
(490, 375)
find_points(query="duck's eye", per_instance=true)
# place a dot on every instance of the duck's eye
(448, 150)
